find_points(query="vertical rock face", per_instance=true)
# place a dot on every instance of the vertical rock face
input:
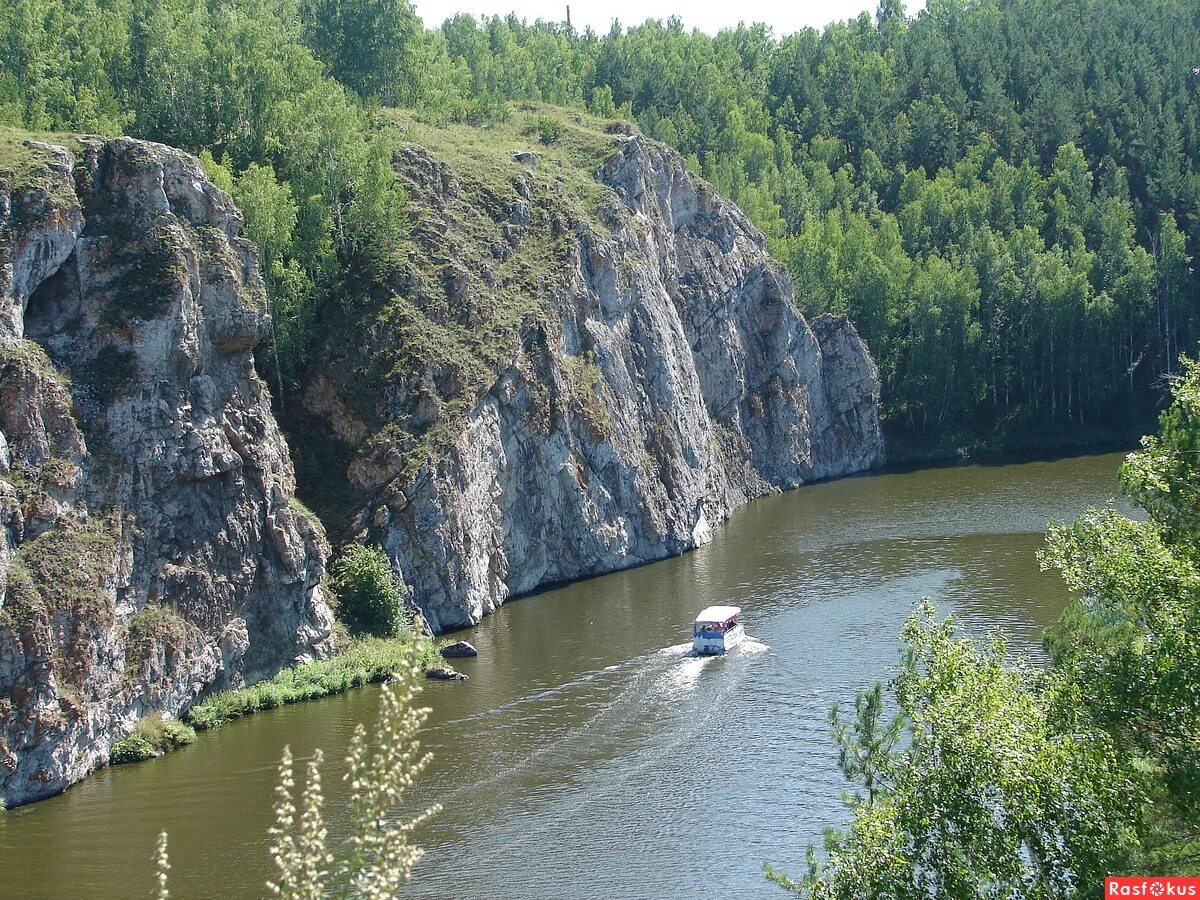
(665, 379)
(150, 546)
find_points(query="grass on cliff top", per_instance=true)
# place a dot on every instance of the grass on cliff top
(469, 293)
(22, 167)
(484, 153)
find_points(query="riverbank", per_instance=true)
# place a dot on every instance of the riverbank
(368, 660)
(371, 660)
(909, 451)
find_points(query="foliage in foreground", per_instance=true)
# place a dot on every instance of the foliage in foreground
(367, 660)
(379, 771)
(989, 791)
(1031, 783)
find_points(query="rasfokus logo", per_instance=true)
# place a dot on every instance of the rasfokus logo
(1151, 886)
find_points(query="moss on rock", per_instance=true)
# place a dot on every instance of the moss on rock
(495, 218)
(66, 571)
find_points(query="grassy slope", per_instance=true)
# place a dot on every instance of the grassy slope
(439, 330)
(23, 167)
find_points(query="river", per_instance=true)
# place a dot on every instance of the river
(588, 757)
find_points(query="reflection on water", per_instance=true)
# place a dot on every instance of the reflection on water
(590, 755)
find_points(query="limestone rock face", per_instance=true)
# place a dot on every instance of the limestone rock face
(662, 378)
(150, 546)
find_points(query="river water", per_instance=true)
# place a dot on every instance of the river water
(588, 756)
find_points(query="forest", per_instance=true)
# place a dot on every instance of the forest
(1002, 195)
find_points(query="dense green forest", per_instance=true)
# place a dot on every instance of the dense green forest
(1000, 778)
(1003, 195)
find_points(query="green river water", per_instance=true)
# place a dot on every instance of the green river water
(588, 756)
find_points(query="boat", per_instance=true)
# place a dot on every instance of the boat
(717, 630)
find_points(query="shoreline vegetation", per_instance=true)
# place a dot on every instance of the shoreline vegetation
(367, 660)
(382, 640)
(904, 450)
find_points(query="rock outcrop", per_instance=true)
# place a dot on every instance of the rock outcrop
(658, 375)
(578, 363)
(459, 650)
(150, 545)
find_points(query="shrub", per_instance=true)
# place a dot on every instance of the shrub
(370, 600)
(151, 737)
(549, 129)
(176, 734)
(487, 109)
(134, 748)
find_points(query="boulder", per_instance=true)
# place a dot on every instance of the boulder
(459, 650)
(443, 673)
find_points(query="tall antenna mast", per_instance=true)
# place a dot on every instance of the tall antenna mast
(569, 32)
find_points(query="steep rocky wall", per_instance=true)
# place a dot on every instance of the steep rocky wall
(150, 547)
(661, 377)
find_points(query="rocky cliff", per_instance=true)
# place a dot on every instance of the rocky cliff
(150, 546)
(584, 359)
(587, 361)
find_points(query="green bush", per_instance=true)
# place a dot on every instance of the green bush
(487, 109)
(176, 734)
(370, 600)
(549, 129)
(134, 748)
(151, 737)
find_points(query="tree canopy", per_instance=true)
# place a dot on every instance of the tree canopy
(1004, 197)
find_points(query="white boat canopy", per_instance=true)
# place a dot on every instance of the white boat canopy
(718, 614)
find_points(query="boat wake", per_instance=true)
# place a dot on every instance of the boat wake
(559, 727)
(748, 645)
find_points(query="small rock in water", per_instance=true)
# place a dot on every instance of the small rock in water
(459, 649)
(441, 673)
